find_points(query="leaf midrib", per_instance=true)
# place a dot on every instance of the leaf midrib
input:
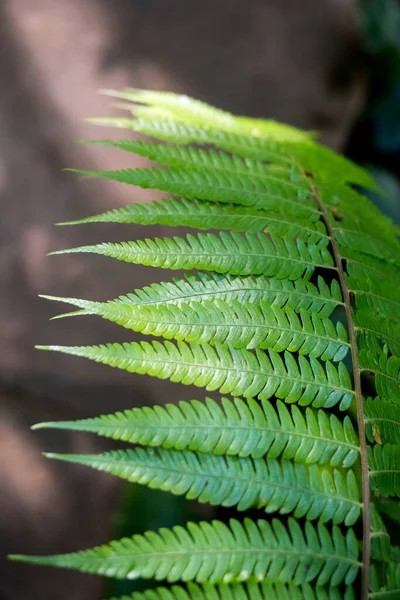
(210, 215)
(237, 290)
(149, 252)
(357, 395)
(225, 476)
(304, 552)
(243, 325)
(136, 426)
(235, 369)
(384, 419)
(215, 186)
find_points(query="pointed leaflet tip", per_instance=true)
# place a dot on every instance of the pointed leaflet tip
(80, 311)
(17, 557)
(52, 348)
(68, 425)
(39, 560)
(54, 252)
(68, 251)
(84, 220)
(80, 459)
(74, 313)
(109, 92)
(62, 223)
(53, 455)
(82, 171)
(55, 298)
(40, 426)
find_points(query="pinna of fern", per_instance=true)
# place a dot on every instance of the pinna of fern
(292, 316)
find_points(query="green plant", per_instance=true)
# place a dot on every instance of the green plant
(293, 319)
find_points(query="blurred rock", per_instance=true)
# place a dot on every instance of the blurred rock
(47, 507)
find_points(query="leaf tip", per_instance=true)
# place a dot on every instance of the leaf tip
(17, 557)
(39, 426)
(51, 455)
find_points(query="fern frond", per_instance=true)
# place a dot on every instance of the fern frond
(270, 484)
(384, 473)
(301, 269)
(386, 371)
(191, 158)
(391, 509)
(241, 591)
(366, 266)
(236, 428)
(183, 133)
(283, 147)
(380, 539)
(236, 324)
(357, 224)
(233, 371)
(260, 550)
(390, 590)
(236, 254)
(383, 418)
(298, 295)
(189, 110)
(360, 241)
(222, 172)
(375, 296)
(273, 193)
(347, 206)
(207, 215)
(372, 332)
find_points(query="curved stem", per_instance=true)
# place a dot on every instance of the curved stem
(359, 400)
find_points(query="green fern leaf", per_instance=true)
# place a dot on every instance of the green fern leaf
(206, 215)
(283, 148)
(235, 254)
(191, 158)
(263, 193)
(276, 486)
(354, 211)
(380, 539)
(298, 295)
(236, 324)
(390, 589)
(233, 371)
(386, 371)
(298, 305)
(382, 418)
(381, 549)
(189, 110)
(374, 296)
(365, 266)
(385, 469)
(244, 551)
(236, 428)
(389, 507)
(240, 591)
(373, 332)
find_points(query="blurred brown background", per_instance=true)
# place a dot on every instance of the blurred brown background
(300, 62)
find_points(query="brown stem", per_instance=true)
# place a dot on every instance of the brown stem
(359, 402)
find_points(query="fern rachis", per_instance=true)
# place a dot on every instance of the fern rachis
(294, 314)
